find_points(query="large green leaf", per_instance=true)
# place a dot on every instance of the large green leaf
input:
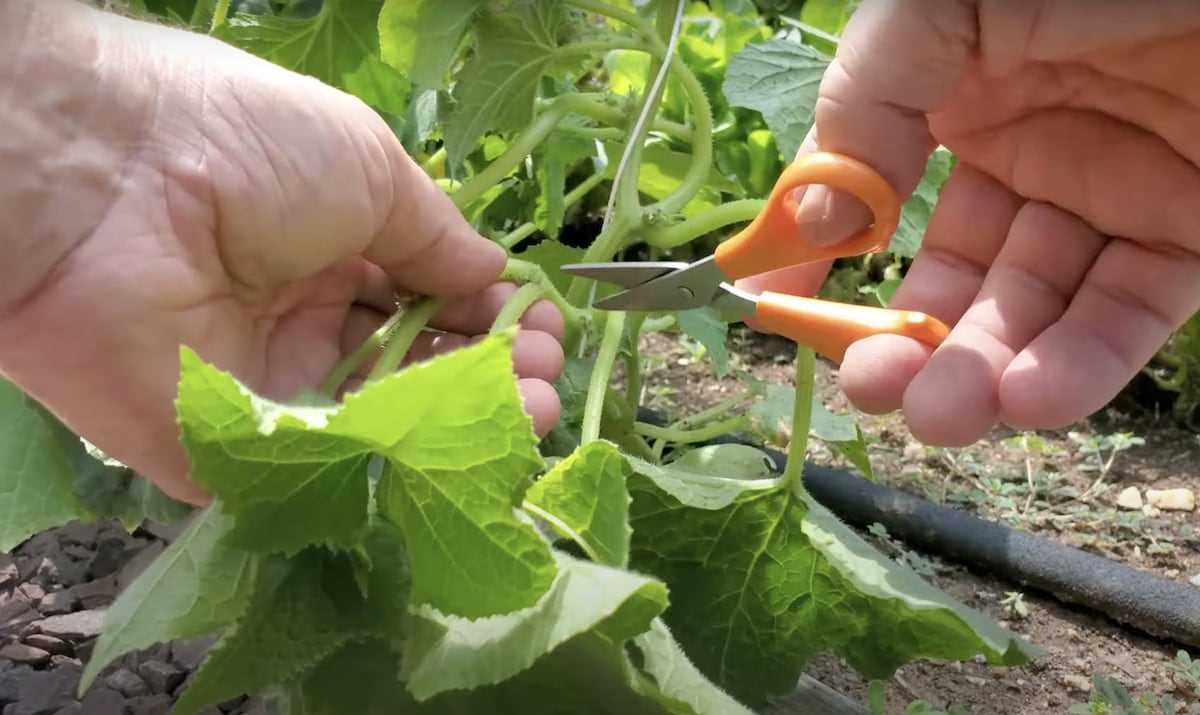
(459, 450)
(444, 654)
(36, 473)
(780, 79)
(419, 38)
(585, 497)
(764, 583)
(198, 586)
(713, 33)
(301, 612)
(339, 46)
(554, 157)
(496, 89)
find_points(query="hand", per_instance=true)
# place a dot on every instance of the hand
(1065, 247)
(206, 197)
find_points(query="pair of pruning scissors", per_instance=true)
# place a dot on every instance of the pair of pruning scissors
(771, 242)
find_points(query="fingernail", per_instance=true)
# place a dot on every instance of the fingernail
(826, 217)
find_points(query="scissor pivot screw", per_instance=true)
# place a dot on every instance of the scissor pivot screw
(687, 292)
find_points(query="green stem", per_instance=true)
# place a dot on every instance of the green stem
(715, 411)
(516, 305)
(407, 329)
(519, 271)
(220, 14)
(806, 365)
(633, 369)
(697, 173)
(562, 528)
(518, 234)
(593, 409)
(704, 222)
(603, 8)
(658, 324)
(602, 249)
(435, 162)
(604, 134)
(349, 364)
(521, 147)
(685, 436)
(614, 117)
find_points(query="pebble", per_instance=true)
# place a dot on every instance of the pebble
(8, 571)
(1077, 682)
(149, 705)
(1130, 498)
(1195, 580)
(976, 681)
(127, 683)
(161, 677)
(102, 701)
(47, 691)
(1172, 499)
(23, 653)
(58, 603)
(73, 626)
(96, 594)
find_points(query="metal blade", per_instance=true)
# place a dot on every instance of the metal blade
(693, 287)
(626, 275)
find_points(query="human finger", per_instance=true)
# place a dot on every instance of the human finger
(965, 234)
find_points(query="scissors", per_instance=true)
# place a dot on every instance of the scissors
(771, 242)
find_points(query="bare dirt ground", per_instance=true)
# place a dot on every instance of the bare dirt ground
(991, 478)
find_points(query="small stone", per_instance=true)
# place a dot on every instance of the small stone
(73, 626)
(149, 705)
(32, 592)
(47, 571)
(1151, 511)
(10, 682)
(188, 654)
(976, 681)
(161, 677)
(8, 571)
(46, 691)
(79, 553)
(57, 661)
(127, 683)
(1077, 682)
(83, 649)
(50, 644)
(1171, 573)
(15, 613)
(1079, 663)
(1130, 498)
(1195, 580)
(130, 571)
(58, 603)
(1172, 499)
(22, 653)
(103, 701)
(96, 594)
(77, 532)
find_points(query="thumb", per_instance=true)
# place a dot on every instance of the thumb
(426, 245)
(897, 61)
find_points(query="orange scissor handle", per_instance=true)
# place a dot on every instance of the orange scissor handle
(773, 239)
(829, 328)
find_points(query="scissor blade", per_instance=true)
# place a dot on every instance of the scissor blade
(627, 275)
(693, 287)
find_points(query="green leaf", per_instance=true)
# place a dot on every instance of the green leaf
(196, 587)
(829, 16)
(420, 38)
(552, 256)
(557, 154)
(705, 324)
(914, 215)
(771, 419)
(714, 33)
(497, 87)
(584, 497)
(774, 583)
(36, 474)
(459, 450)
(663, 169)
(445, 653)
(677, 683)
(303, 610)
(710, 477)
(339, 46)
(780, 79)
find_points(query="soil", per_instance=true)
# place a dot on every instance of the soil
(990, 478)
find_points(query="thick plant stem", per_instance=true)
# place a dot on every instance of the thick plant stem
(633, 369)
(682, 436)
(220, 13)
(614, 117)
(520, 148)
(519, 271)
(698, 170)
(806, 365)
(515, 307)
(704, 222)
(407, 329)
(593, 409)
(352, 362)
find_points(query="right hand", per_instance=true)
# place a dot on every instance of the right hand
(1065, 248)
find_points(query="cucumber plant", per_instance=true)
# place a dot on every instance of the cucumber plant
(440, 558)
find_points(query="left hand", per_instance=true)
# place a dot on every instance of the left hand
(206, 197)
